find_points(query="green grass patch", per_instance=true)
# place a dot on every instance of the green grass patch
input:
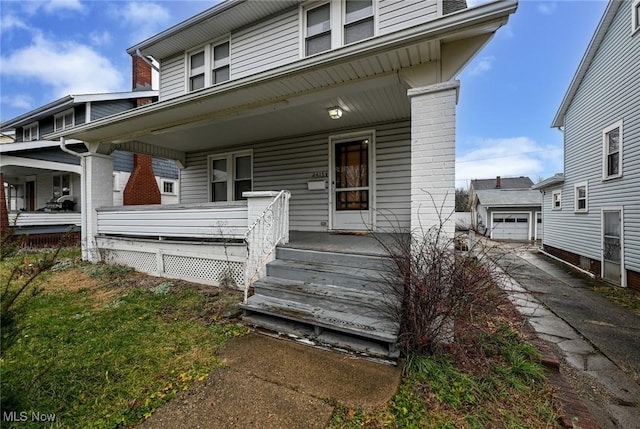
(509, 391)
(99, 352)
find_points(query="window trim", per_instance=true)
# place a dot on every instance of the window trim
(231, 179)
(585, 185)
(605, 153)
(305, 10)
(557, 192)
(344, 23)
(168, 181)
(635, 17)
(64, 124)
(30, 127)
(207, 48)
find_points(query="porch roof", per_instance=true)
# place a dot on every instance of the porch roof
(363, 78)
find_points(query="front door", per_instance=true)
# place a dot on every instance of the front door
(612, 246)
(351, 185)
(31, 196)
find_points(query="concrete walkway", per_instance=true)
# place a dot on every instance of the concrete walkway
(268, 382)
(598, 340)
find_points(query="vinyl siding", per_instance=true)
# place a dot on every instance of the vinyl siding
(267, 45)
(172, 77)
(399, 14)
(101, 109)
(290, 164)
(609, 92)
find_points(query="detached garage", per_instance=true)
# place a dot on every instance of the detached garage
(507, 214)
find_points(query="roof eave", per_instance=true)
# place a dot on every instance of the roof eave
(594, 44)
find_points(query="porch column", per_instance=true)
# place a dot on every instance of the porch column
(433, 133)
(97, 191)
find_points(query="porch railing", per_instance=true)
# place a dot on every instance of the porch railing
(23, 219)
(270, 229)
(181, 221)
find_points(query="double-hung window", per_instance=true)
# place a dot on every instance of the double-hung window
(61, 185)
(318, 31)
(612, 151)
(208, 65)
(30, 132)
(63, 120)
(556, 200)
(581, 191)
(230, 174)
(358, 20)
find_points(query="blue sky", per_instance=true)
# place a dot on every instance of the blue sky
(509, 93)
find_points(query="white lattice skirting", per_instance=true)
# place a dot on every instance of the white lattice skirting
(208, 263)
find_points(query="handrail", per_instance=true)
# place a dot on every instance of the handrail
(269, 229)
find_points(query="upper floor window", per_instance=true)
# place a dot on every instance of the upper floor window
(230, 175)
(556, 200)
(581, 197)
(63, 120)
(635, 16)
(358, 20)
(335, 24)
(30, 132)
(612, 151)
(208, 65)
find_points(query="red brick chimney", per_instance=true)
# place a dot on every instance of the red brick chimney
(142, 187)
(498, 180)
(4, 213)
(141, 78)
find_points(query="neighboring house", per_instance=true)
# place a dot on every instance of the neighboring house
(42, 180)
(591, 213)
(505, 208)
(292, 120)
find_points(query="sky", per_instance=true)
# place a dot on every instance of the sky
(509, 93)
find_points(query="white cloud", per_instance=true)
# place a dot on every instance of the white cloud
(20, 101)
(100, 38)
(547, 8)
(53, 6)
(65, 67)
(481, 65)
(10, 22)
(508, 157)
(146, 18)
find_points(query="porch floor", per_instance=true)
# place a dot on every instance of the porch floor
(354, 243)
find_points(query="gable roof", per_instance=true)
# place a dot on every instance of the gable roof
(521, 182)
(508, 197)
(596, 40)
(554, 180)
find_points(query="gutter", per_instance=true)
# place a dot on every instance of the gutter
(495, 12)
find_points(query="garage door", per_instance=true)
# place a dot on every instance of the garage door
(510, 226)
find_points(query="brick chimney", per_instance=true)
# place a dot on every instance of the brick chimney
(141, 78)
(4, 213)
(142, 187)
(498, 180)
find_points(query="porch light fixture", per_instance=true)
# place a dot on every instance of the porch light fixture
(335, 112)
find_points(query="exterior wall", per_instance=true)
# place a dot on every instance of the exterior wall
(609, 92)
(290, 163)
(278, 41)
(100, 109)
(44, 189)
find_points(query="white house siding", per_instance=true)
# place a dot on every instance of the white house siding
(172, 77)
(291, 163)
(398, 14)
(609, 92)
(267, 45)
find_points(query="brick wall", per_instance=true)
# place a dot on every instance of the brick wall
(141, 78)
(142, 187)
(633, 280)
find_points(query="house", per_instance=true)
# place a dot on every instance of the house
(42, 180)
(591, 212)
(293, 123)
(506, 208)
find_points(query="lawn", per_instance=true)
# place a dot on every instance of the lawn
(102, 346)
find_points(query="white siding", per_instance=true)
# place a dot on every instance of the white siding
(399, 14)
(172, 77)
(267, 45)
(609, 92)
(290, 164)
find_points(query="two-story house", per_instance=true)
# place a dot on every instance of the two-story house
(294, 121)
(42, 181)
(591, 213)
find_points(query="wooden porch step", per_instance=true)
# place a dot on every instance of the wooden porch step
(371, 262)
(311, 272)
(363, 302)
(358, 325)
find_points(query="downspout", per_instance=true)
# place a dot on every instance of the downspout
(64, 148)
(146, 60)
